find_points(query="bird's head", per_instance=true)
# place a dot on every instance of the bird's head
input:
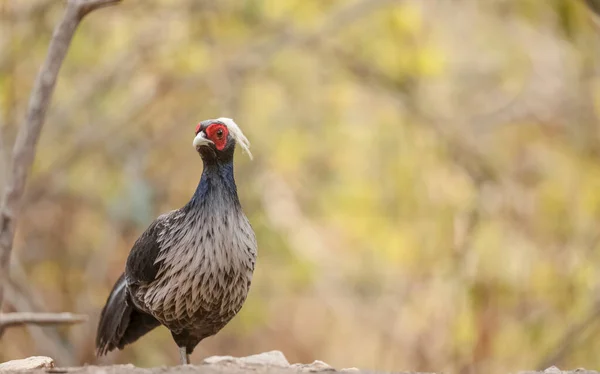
(216, 139)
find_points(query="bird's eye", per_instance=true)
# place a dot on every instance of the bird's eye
(219, 133)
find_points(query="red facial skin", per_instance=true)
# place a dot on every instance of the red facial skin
(217, 133)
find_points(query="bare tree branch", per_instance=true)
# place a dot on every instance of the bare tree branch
(19, 295)
(41, 319)
(27, 138)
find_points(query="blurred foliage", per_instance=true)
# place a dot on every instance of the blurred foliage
(425, 189)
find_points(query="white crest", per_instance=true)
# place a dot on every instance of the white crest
(237, 134)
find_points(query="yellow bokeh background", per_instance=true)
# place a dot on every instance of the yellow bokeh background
(425, 189)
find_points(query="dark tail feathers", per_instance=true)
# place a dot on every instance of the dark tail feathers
(120, 323)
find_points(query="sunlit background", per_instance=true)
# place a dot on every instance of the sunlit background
(425, 189)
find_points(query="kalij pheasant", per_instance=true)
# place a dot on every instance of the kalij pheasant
(191, 269)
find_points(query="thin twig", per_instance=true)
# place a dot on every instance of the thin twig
(29, 133)
(19, 295)
(40, 319)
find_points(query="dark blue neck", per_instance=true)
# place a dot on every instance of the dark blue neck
(217, 181)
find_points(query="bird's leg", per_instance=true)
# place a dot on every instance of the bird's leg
(185, 358)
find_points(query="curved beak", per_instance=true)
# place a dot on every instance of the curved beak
(201, 140)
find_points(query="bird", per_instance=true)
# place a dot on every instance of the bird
(192, 268)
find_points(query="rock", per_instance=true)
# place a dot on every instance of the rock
(314, 367)
(350, 369)
(272, 358)
(552, 370)
(30, 363)
(218, 360)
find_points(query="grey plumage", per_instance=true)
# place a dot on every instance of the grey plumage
(207, 257)
(192, 268)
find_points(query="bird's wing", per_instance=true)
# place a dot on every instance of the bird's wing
(141, 265)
